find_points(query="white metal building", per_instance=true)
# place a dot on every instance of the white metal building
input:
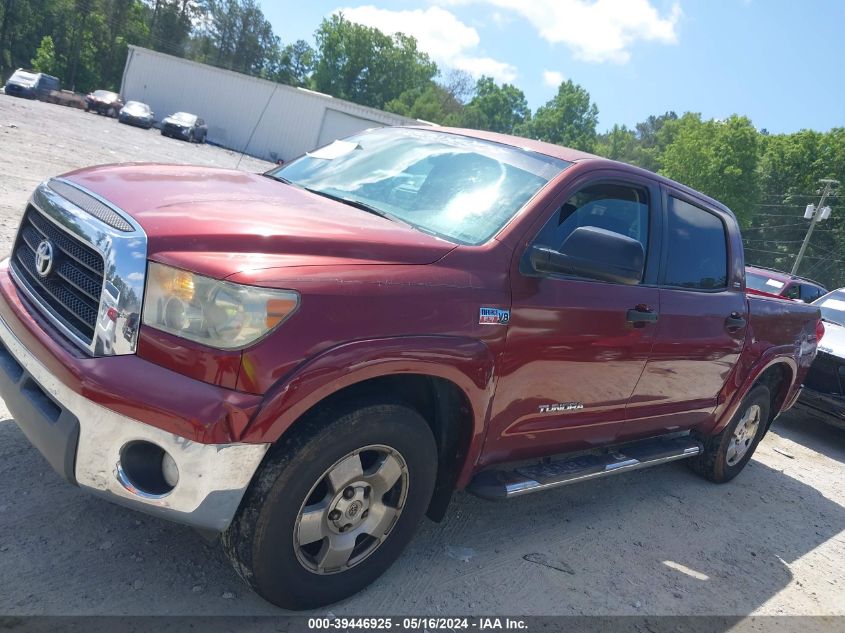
(296, 120)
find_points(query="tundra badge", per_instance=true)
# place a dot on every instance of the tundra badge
(560, 406)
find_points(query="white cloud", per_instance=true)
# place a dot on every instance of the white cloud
(439, 33)
(552, 78)
(595, 30)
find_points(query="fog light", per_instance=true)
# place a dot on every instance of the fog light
(169, 470)
(146, 469)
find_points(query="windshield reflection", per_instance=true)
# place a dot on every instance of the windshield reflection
(460, 188)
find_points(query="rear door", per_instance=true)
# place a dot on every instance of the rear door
(703, 318)
(576, 347)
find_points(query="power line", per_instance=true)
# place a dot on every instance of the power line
(818, 212)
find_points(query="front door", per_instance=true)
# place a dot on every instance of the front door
(576, 347)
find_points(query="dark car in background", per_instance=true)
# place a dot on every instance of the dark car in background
(103, 102)
(823, 396)
(185, 126)
(768, 282)
(30, 84)
(138, 114)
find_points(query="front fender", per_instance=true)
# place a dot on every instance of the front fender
(467, 363)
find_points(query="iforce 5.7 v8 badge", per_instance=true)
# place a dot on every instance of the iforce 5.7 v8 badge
(494, 316)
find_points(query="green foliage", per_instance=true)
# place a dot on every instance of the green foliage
(496, 108)
(719, 158)
(364, 65)
(432, 103)
(295, 64)
(45, 57)
(569, 119)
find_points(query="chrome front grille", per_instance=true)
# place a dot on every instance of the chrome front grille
(80, 268)
(72, 287)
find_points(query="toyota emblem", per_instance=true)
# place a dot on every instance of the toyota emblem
(44, 258)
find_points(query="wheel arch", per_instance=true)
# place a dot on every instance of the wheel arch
(778, 373)
(448, 380)
(778, 377)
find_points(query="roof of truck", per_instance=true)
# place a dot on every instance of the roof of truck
(781, 275)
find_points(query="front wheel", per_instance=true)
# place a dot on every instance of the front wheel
(726, 454)
(334, 505)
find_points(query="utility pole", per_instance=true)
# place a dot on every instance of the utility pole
(829, 184)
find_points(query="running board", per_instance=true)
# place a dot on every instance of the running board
(504, 484)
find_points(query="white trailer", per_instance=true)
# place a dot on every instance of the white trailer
(282, 121)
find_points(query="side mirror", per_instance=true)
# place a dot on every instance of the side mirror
(593, 253)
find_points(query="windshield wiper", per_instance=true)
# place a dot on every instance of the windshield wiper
(356, 203)
(349, 201)
(281, 179)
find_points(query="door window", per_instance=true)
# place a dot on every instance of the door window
(792, 292)
(810, 293)
(620, 208)
(697, 255)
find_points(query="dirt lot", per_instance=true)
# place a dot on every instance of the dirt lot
(659, 541)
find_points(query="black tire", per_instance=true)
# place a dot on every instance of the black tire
(715, 462)
(260, 542)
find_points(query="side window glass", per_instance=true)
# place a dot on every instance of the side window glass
(810, 293)
(697, 248)
(619, 208)
(792, 292)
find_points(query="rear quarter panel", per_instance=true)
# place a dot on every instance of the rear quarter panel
(780, 332)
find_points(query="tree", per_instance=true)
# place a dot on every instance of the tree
(364, 65)
(295, 64)
(45, 57)
(496, 108)
(235, 34)
(432, 103)
(569, 119)
(719, 158)
(620, 143)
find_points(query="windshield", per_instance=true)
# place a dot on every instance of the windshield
(184, 117)
(134, 106)
(832, 307)
(23, 77)
(105, 94)
(763, 283)
(459, 188)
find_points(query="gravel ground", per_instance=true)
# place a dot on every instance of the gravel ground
(657, 541)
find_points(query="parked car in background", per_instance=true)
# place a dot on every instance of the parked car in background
(421, 310)
(823, 396)
(137, 114)
(66, 98)
(30, 84)
(103, 102)
(185, 126)
(768, 282)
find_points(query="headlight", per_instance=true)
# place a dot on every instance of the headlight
(215, 313)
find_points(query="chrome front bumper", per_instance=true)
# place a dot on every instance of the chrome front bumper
(212, 477)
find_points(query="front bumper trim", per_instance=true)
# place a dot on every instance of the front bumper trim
(212, 477)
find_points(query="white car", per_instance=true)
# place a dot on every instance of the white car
(823, 395)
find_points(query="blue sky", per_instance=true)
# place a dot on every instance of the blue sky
(780, 62)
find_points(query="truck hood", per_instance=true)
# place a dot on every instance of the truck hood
(833, 341)
(221, 222)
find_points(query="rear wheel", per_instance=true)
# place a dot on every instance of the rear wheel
(726, 454)
(334, 506)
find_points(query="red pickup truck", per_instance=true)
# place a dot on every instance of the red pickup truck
(310, 360)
